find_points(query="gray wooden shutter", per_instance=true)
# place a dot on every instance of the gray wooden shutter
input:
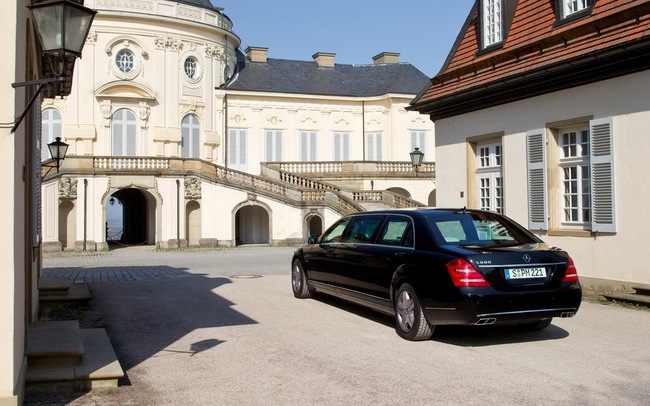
(269, 146)
(602, 175)
(278, 146)
(536, 158)
(131, 132)
(185, 137)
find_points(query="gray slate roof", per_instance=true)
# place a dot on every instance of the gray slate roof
(306, 77)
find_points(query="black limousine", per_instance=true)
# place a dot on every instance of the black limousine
(430, 267)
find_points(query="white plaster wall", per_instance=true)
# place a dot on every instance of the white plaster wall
(627, 99)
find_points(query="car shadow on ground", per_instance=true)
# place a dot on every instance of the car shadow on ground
(462, 336)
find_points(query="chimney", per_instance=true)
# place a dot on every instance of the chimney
(386, 57)
(256, 54)
(324, 59)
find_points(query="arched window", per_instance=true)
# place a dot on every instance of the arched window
(50, 129)
(123, 133)
(190, 130)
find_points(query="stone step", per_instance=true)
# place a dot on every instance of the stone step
(634, 298)
(642, 289)
(53, 287)
(54, 344)
(76, 293)
(98, 367)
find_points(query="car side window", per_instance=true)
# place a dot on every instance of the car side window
(363, 228)
(335, 232)
(396, 231)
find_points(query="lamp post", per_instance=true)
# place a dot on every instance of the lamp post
(416, 159)
(62, 27)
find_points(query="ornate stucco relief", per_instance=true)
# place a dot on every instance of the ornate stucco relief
(67, 188)
(192, 188)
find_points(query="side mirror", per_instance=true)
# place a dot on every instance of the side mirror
(312, 239)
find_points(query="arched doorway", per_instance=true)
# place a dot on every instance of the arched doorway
(251, 225)
(193, 221)
(314, 225)
(67, 225)
(137, 209)
(432, 198)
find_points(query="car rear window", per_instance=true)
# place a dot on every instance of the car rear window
(478, 229)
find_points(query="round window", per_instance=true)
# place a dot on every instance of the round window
(125, 60)
(192, 68)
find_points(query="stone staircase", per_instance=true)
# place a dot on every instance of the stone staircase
(61, 356)
(640, 296)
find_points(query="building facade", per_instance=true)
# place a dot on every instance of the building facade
(199, 144)
(542, 112)
(20, 175)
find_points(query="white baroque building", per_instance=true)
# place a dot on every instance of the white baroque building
(202, 145)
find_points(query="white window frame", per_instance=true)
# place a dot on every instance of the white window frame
(602, 187)
(273, 145)
(51, 127)
(489, 176)
(308, 146)
(575, 178)
(571, 7)
(190, 136)
(492, 22)
(238, 148)
(341, 146)
(374, 146)
(124, 132)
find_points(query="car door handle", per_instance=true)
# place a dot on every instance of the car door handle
(401, 254)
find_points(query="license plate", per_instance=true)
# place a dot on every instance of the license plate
(525, 273)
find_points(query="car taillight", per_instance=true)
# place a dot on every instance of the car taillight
(464, 275)
(571, 274)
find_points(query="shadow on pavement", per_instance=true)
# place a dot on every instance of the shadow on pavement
(463, 336)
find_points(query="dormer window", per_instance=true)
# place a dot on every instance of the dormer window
(491, 22)
(574, 6)
(570, 10)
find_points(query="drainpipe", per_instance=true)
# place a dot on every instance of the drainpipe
(363, 127)
(85, 211)
(178, 213)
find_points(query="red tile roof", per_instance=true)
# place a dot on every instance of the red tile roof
(536, 42)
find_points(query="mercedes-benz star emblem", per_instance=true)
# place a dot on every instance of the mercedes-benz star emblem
(526, 258)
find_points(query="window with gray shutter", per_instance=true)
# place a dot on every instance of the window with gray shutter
(602, 175)
(237, 148)
(273, 145)
(308, 146)
(190, 136)
(373, 147)
(536, 158)
(124, 133)
(341, 146)
(50, 129)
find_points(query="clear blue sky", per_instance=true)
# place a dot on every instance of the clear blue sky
(421, 31)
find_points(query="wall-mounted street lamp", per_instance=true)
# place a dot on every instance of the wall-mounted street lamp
(62, 27)
(58, 149)
(416, 159)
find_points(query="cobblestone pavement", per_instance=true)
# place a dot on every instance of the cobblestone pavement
(199, 327)
(147, 263)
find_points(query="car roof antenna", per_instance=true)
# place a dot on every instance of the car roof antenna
(464, 209)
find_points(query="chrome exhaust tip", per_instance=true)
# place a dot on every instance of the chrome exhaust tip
(567, 314)
(486, 322)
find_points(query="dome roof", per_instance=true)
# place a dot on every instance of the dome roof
(200, 3)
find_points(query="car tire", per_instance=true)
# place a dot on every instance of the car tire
(299, 281)
(410, 322)
(536, 325)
